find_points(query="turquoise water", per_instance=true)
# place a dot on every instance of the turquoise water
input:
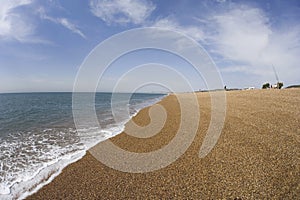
(38, 136)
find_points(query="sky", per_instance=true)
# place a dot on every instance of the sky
(43, 43)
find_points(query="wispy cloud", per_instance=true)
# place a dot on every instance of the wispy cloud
(220, 1)
(170, 23)
(62, 21)
(66, 23)
(244, 35)
(13, 25)
(122, 11)
(243, 40)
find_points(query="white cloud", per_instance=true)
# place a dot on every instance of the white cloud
(245, 37)
(235, 69)
(62, 21)
(13, 25)
(221, 1)
(70, 26)
(192, 31)
(245, 43)
(122, 11)
(242, 34)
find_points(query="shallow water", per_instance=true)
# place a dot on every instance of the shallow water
(38, 136)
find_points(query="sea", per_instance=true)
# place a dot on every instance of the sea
(38, 136)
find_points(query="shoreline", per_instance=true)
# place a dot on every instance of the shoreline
(47, 174)
(245, 163)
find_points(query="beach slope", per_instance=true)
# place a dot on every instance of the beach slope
(257, 155)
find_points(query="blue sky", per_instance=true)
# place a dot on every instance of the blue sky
(43, 43)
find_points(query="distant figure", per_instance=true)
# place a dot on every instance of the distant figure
(225, 87)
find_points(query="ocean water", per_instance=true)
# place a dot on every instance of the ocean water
(38, 137)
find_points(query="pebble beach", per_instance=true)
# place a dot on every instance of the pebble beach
(256, 157)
